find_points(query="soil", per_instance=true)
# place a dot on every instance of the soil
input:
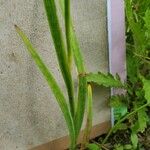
(123, 138)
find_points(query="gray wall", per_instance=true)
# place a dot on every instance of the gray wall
(29, 114)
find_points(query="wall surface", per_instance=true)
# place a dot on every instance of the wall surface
(29, 114)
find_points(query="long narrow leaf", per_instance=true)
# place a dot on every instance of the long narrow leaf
(74, 43)
(81, 71)
(51, 82)
(56, 33)
(88, 127)
(67, 27)
(80, 104)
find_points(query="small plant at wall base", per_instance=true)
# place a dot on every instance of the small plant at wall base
(138, 65)
(132, 131)
(137, 99)
(74, 111)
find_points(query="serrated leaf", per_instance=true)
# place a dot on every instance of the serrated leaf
(120, 112)
(134, 140)
(117, 101)
(121, 126)
(146, 88)
(132, 67)
(138, 34)
(135, 127)
(147, 22)
(106, 80)
(142, 120)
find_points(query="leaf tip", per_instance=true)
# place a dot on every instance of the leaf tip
(16, 27)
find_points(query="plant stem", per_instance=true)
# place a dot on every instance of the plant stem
(123, 119)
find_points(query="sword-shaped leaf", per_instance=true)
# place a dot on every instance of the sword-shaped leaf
(58, 40)
(74, 42)
(88, 126)
(51, 82)
(67, 28)
(81, 71)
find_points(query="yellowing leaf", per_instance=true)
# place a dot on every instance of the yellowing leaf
(51, 82)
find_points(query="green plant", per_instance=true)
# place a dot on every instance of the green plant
(65, 54)
(88, 127)
(138, 47)
(137, 99)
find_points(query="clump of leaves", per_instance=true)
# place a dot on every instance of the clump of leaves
(67, 49)
(137, 99)
(138, 59)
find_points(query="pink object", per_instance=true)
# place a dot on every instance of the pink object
(116, 40)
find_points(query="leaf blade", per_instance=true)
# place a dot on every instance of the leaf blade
(134, 140)
(142, 120)
(81, 70)
(67, 28)
(51, 82)
(57, 37)
(138, 34)
(105, 80)
(88, 127)
(146, 87)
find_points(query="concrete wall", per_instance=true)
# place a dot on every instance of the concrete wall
(29, 114)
